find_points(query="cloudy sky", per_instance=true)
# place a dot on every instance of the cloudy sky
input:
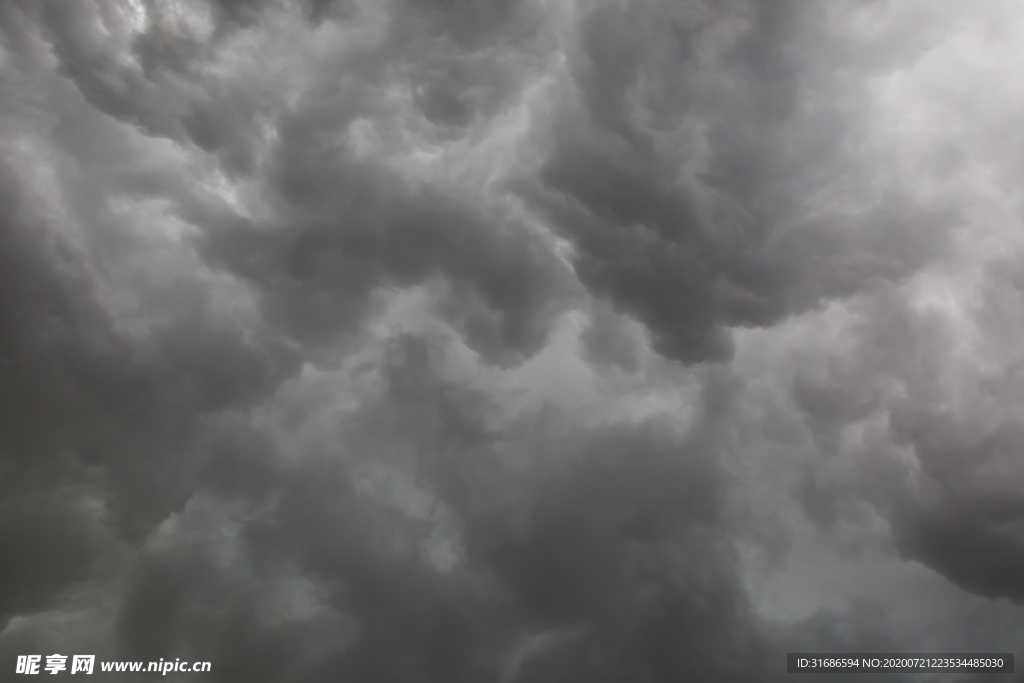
(511, 341)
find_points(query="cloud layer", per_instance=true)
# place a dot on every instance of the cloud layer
(514, 341)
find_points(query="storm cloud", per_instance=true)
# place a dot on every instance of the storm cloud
(513, 341)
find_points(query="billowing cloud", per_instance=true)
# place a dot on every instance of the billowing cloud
(712, 173)
(508, 341)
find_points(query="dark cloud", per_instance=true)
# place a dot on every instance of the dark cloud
(342, 227)
(702, 172)
(350, 228)
(504, 341)
(601, 558)
(942, 466)
(962, 512)
(75, 391)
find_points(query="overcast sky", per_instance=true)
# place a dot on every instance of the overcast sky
(511, 341)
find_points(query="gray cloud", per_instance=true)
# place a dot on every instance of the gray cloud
(506, 341)
(704, 174)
